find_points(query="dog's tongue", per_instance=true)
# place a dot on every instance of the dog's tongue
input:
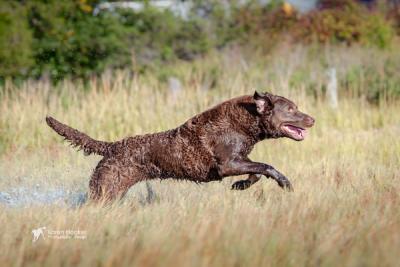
(303, 133)
(300, 132)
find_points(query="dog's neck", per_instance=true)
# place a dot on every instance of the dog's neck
(266, 131)
(252, 123)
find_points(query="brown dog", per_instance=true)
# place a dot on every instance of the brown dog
(208, 147)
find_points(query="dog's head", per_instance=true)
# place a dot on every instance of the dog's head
(282, 116)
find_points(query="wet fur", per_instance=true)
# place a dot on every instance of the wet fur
(208, 147)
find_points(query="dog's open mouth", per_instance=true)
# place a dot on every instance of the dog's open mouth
(294, 132)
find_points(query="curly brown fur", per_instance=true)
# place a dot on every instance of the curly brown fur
(78, 139)
(208, 147)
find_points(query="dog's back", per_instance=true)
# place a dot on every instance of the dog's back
(188, 151)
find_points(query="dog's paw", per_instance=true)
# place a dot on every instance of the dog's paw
(241, 185)
(286, 185)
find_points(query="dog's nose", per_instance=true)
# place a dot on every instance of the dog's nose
(310, 120)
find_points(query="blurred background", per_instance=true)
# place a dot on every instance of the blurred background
(78, 39)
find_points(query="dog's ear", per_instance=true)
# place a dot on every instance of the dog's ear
(263, 102)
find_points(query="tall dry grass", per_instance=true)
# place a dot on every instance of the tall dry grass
(345, 210)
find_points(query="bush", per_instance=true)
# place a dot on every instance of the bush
(65, 39)
(342, 21)
(264, 25)
(69, 41)
(394, 16)
(16, 57)
(351, 23)
(159, 35)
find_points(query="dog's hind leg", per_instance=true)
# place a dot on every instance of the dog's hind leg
(244, 184)
(111, 180)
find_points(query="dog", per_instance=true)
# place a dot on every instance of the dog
(208, 147)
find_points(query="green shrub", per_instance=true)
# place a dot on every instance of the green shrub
(64, 39)
(69, 41)
(16, 55)
(378, 31)
(160, 35)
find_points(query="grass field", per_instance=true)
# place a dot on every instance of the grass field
(344, 211)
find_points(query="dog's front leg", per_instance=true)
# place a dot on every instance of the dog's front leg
(240, 167)
(244, 184)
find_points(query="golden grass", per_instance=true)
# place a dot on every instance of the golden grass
(345, 210)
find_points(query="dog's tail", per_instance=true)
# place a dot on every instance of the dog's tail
(78, 139)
